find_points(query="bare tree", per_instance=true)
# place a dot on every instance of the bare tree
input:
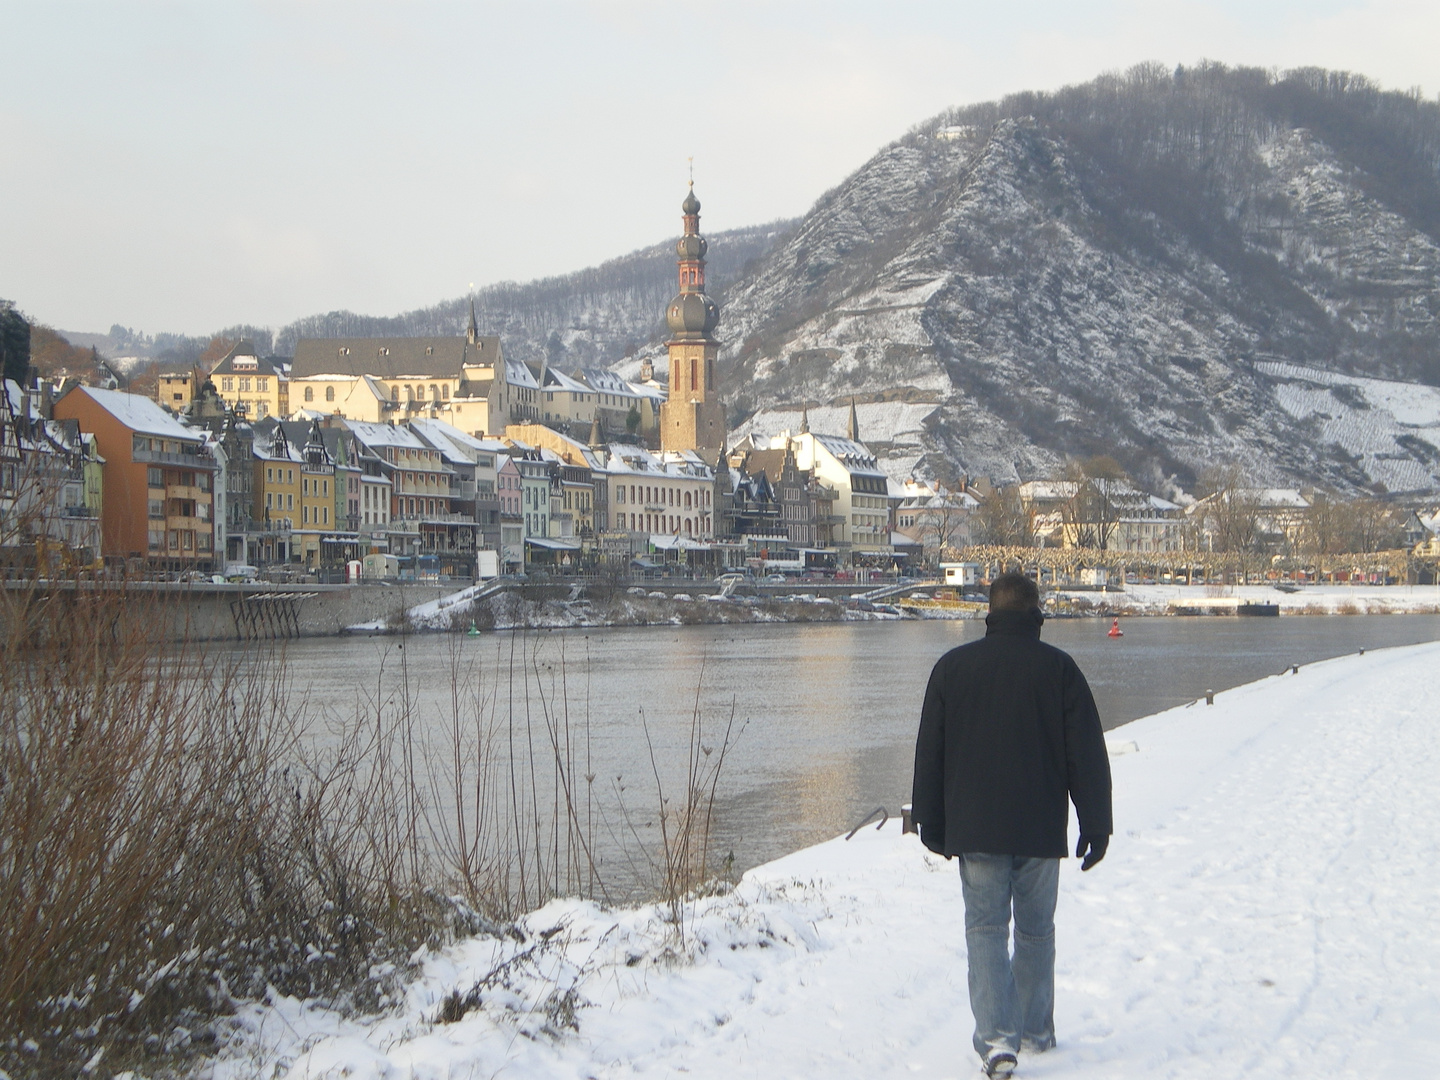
(945, 524)
(1091, 513)
(1373, 525)
(1002, 520)
(1325, 525)
(1231, 516)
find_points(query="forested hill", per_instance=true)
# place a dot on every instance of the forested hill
(589, 317)
(1165, 266)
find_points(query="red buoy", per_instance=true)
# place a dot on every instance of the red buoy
(1115, 630)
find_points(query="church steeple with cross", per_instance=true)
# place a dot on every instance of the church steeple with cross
(692, 418)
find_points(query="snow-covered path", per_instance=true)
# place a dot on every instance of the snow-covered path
(1269, 906)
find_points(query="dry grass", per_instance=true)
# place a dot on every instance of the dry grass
(179, 831)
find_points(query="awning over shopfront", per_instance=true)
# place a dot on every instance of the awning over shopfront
(551, 545)
(677, 543)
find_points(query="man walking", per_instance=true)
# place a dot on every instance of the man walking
(1009, 736)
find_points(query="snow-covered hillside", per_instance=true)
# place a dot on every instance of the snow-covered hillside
(1109, 270)
(1266, 909)
(1391, 429)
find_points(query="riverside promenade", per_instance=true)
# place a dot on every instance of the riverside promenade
(1266, 909)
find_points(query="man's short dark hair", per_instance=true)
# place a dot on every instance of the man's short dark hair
(1014, 592)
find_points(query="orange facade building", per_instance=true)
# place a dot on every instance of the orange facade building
(159, 480)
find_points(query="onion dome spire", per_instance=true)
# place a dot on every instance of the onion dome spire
(691, 314)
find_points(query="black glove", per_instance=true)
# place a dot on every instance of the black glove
(1096, 846)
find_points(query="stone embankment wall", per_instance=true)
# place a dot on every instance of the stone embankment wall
(208, 612)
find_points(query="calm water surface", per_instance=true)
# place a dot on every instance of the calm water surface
(826, 713)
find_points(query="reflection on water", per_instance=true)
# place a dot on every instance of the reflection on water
(828, 710)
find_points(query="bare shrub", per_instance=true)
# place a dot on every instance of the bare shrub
(180, 829)
(163, 844)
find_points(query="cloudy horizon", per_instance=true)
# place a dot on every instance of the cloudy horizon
(183, 167)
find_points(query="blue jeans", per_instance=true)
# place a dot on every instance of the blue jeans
(1013, 1000)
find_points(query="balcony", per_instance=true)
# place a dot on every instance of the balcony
(201, 459)
(183, 491)
(192, 523)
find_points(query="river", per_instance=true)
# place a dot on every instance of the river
(824, 714)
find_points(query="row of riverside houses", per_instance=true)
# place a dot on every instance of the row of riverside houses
(103, 473)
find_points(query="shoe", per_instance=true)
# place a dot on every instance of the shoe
(1000, 1064)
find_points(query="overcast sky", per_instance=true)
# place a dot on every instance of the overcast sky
(186, 166)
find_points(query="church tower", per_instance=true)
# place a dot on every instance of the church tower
(692, 418)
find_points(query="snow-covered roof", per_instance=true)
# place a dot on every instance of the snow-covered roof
(518, 374)
(372, 434)
(140, 414)
(560, 381)
(1276, 498)
(605, 381)
(855, 456)
(1047, 489)
(654, 391)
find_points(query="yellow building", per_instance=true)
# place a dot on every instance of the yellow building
(251, 385)
(175, 390)
(461, 380)
(278, 501)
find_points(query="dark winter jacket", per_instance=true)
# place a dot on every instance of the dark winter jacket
(1008, 734)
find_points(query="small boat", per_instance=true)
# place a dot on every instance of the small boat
(1115, 630)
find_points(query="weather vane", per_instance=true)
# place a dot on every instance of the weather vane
(691, 160)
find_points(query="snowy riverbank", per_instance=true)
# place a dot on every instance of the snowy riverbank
(1304, 600)
(1266, 908)
(636, 606)
(564, 607)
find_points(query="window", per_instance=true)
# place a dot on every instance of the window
(227, 383)
(244, 385)
(269, 475)
(157, 508)
(262, 385)
(155, 477)
(325, 511)
(304, 514)
(289, 476)
(289, 502)
(445, 391)
(329, 393)
(326, 485)
(394, 393)
(309, 393)
(305, 485)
